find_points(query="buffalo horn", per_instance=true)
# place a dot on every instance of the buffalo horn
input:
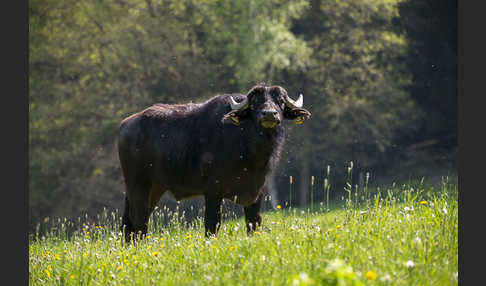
(294, 104)
(236, 106)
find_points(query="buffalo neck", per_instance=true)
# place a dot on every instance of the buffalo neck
(263, 144)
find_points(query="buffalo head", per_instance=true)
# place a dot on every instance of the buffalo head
(267, 107)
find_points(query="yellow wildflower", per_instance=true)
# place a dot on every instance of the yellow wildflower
(279, 207)
(155, 253)
(233, 247)
(370, 275)
(148, 236)
(48, 273)
(119, 267)
(423, 202)
(72, 277)
(57, 257)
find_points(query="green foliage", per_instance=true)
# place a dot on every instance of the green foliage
(432, 60)
(356, 85)
(252, 38)
(92, 63)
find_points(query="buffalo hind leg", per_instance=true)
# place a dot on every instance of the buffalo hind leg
(212, 214)
(253, 218)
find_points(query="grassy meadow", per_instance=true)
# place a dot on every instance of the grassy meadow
(401, 235)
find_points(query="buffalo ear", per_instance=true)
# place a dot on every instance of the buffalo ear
(297, 114)
(235, 116)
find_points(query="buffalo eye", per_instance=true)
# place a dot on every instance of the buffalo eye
(277, 96)
(279, 101)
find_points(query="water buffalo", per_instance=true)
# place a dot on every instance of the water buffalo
(222, 148)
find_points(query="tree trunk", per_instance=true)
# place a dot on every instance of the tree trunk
(271, 200)
(304, 176)
(304, 179)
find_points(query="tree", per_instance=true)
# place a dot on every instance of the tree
(92, 63)
(356, 86)
(431, 27)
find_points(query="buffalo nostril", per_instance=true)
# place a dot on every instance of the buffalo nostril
(269, 113)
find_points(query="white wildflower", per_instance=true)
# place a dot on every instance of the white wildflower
(410, 264)
(302, 279)
(208, 277)
(386, 278)
(417, 240)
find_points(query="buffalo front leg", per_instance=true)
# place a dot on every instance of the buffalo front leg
(212, 215)
(137, 212)
(253, 218)
(126, 227)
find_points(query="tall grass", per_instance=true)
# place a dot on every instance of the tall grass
(401, 235)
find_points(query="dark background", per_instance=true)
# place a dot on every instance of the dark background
(378, 76)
